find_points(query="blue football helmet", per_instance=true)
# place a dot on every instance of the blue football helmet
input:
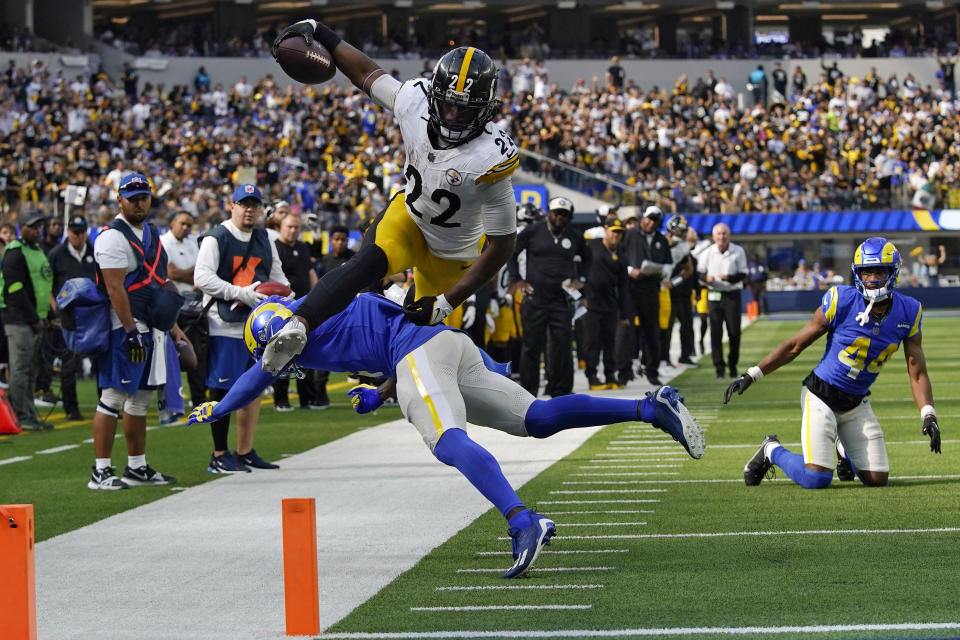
(877, 252)
(263, 322)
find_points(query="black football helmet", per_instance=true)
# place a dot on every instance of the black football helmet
(677, 225)
(528, 213)
(463, 95)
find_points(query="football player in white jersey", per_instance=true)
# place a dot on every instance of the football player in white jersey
(458, 191)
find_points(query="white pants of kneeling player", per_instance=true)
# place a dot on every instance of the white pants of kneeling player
(858, 431)
(443, 383)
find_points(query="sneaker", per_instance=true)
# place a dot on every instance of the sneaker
(254, 461)
(673, 417)
(285, 345)
(318, 405)
(36, 425)
(527, 542)
(758, 466)
(45, 399)
(74, 415)
(282, 408)
(595, 384)
(105, 480)
(613, 384)
(654, 380)
(688, 362)
(845, 470)
(226, 463)
(146, 475)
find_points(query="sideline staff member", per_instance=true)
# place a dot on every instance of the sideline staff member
(723, 268)
(553, 251)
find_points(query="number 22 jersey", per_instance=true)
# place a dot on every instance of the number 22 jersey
(447, 188)
(855, 354)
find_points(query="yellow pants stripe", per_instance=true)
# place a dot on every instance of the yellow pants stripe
(422, 389)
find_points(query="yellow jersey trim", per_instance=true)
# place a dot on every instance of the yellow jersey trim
(915, 329)
(500, 171)
(832, 309)
(422, 389)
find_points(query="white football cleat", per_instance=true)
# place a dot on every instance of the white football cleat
(284, 346)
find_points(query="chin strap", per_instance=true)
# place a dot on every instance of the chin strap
(864, 316)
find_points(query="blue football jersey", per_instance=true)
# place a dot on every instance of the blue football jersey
(369, 336)
(854, 354)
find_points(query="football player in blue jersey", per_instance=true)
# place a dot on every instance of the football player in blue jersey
(865, 325)
(441, 383)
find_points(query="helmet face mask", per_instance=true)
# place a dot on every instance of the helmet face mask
(677, 226)
(463, 95)
(873, 253)
(263, 322)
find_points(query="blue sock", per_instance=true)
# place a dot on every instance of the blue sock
(478, 466)
(792, 465)
(546, 417)
(503, 368)
(520, 520)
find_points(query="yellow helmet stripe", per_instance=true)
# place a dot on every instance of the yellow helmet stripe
(464, 67)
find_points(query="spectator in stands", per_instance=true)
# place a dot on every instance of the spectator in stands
(947, 66)
(757, 83)
(723, 268)
(234, 258)
(615, 73)
(779, 82)
(556, 258)
(27, 285)
(70, 259)
(802, 278)
(52, 234)
(295, 262)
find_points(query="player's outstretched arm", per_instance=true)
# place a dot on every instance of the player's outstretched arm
(247, 388)
(922, 389)
(498, 250)
(783, 354)
(354, 64)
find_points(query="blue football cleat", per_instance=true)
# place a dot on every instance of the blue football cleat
(673, 417)
(527, 543)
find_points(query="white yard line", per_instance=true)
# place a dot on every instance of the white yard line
(16, 459)
(666, 631)
(538, 569)
(65, 447)
(519, 587)
(597, 501)
(737, 534)
(505, 607)
(557, 552)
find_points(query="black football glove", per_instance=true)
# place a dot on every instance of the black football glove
(136, 345)
(427, 310)
(932, 429)
(739, 385)
(303, 28)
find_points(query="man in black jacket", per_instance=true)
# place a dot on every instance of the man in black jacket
(608, 302)
(556, 256)
(27, 283)
(647, 253)
(70, 259)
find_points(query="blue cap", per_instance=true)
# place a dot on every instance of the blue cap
(134, 184)
(247, 191)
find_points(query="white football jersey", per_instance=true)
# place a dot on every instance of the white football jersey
(446, 189)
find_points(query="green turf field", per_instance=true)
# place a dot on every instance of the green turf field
(648, 539)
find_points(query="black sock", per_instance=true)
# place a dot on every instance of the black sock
(219, 429)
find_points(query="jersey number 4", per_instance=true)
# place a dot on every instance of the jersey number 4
(439, 196)
(855, 357)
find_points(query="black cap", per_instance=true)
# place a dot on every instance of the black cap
(77, 223)
(31, 218)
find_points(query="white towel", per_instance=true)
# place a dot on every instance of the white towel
(158, 364)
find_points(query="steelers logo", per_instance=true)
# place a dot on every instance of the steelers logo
(565, 243)
(454, 178)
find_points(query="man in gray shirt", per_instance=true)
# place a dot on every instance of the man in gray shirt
(722, 268)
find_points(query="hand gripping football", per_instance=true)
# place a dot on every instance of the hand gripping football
(274, 288)
(309, 64)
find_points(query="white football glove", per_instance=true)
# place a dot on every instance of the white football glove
(249, 296)
(469, 312)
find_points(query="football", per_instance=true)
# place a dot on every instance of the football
(186, 355)
(275, 289)
(307, 64)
